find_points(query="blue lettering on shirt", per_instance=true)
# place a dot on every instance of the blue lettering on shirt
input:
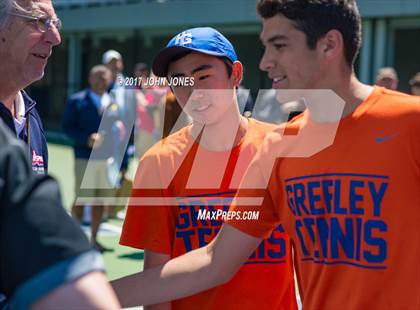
(338, 218)
(194, 232)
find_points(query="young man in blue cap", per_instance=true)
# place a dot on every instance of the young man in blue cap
(190, 177)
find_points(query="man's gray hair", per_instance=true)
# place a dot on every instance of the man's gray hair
(99, 68)
(10, 5)
(5, 6)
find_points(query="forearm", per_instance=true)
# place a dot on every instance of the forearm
(190, 273)
(160, 306)
(92, 291)
(180, 277)
(154, 259)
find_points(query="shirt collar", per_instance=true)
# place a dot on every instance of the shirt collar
(94, 96)
(19, 107)
(101, 102)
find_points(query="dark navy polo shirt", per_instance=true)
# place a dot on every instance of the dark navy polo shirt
(38, 151)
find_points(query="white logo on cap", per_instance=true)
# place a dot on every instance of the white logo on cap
(183, 38)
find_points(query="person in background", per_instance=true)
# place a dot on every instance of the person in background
(149, 102)
(174, 118)
(125, 97)
(387, 77)
(415, 84)
(114, 62)
(245, 101)
(267, 108)
(94, 144)
(141, 71)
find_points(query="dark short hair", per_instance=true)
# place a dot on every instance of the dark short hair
(316, 17)
(228, 63)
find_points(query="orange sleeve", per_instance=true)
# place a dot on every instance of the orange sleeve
(148, 226)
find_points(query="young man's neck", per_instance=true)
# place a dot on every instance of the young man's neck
(222, 135)
(353, 93)
(348, 89)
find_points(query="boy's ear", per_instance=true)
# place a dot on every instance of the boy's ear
(332, 44)
(237, 73)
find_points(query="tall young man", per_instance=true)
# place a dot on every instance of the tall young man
(204, 163)
(351, 208)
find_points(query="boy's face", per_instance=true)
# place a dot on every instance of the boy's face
(213, 92)
(289, 62)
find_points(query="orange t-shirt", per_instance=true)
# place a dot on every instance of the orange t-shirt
(352, 210)
(180, 180)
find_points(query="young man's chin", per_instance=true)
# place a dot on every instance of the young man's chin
(204, 121)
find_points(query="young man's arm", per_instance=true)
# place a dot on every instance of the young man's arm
(190, 273)
(154, 259)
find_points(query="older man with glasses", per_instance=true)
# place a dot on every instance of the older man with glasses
(46, 262)
(28, 32)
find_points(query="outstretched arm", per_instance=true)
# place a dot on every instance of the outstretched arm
(91, 291)
(154, 259)
(190, 273)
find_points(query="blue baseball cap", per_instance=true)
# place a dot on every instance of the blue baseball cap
(204, 40)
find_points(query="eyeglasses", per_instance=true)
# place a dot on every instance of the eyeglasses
(43, 23)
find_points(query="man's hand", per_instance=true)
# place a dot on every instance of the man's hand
(95, 140)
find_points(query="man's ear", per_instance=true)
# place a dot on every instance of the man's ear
(331, 44)
(237, 73)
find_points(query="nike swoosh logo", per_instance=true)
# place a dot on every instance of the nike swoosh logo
(385, 138)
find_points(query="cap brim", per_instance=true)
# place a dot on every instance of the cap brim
(165, 56)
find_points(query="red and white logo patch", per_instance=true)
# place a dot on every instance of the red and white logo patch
(37, 162)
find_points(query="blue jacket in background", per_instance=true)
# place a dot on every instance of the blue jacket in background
(38, 152)
(82, 118)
